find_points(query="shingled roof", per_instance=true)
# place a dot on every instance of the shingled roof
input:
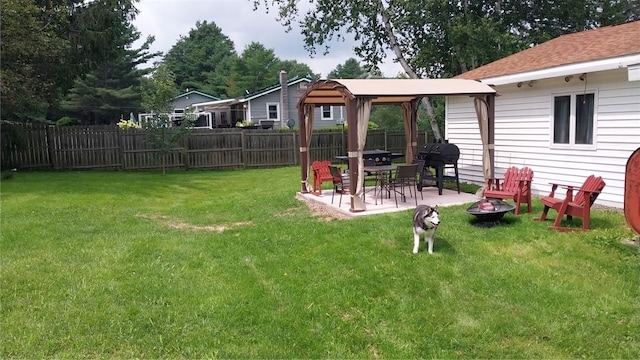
(598, 44)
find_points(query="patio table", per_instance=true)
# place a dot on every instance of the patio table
(383, 176)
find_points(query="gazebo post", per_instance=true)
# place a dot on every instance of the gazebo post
(491, 118)
(414, 130)
(304, 151)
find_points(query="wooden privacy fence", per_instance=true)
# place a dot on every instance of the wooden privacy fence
(109, 147)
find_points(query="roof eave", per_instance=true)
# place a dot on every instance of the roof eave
(565, 70)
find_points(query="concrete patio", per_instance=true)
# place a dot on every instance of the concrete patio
(430, 194)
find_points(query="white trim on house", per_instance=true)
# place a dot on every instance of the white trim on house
(566, 70)
(275, 88)
(572, 121)
(277, 105)
(322, 112)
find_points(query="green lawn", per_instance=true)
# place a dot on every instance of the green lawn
(228, 264)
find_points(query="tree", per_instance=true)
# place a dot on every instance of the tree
(296, 69)
(256, 68)
(351, 69)
(46, 44)
(202, 60)
(114, 88)
(442, 37)
(162, 134)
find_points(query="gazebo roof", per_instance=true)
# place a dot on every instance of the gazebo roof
(390, 91)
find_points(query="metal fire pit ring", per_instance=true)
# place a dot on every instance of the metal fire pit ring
(489, 209)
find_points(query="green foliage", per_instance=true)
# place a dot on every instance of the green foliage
(443, 38)
(202, 60)
(162, 133)
(46, 45)
(66, 120)
(114, 88)
(255, 69)
(206, 264)
(13, 139)
(351, 69)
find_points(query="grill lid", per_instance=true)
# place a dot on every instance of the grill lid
(445, 152)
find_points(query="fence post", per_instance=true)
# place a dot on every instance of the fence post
(295, 158)
(120, 148)
(386, 140)
(50, 150)
(243, 154)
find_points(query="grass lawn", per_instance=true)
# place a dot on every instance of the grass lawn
(228, 264)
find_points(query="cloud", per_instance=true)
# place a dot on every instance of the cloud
(168, 20)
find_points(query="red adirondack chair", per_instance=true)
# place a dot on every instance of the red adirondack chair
(579, 206)
(515, 186)
(321, 174)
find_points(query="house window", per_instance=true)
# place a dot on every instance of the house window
(573, 119)
(327, 112)
(273, 111)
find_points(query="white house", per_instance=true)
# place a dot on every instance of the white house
(567, 108)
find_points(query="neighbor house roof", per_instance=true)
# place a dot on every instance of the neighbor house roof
(588, 46)
(216, 104)
(199, 93)
(391, 91)
(275, 87)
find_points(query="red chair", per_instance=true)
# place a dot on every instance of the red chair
(579, 206)
(516, 186)
(321, 174)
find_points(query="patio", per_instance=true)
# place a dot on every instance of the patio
(430, 194)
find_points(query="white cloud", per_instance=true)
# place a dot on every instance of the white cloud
(167, 20)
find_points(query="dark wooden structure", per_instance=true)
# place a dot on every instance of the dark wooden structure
(359, 95)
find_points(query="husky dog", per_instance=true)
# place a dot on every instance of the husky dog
(425, 222)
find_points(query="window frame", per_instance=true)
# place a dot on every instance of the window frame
(277, 105)
(330, 117)
(573, 95)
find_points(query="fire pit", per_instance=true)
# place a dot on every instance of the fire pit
(490, 209)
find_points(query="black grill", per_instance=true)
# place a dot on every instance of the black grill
(438, 156)
(381, 157)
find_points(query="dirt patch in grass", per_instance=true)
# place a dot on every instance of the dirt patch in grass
(176, 224)
(323, 212)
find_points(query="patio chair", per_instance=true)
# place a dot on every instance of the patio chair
(419, 168)
(516, 186)
(321, 174)
(340, 183)
(579, 206)
(405, 176)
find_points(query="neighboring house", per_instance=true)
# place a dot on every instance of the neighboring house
(568, 108)
(182, 102)
(270, 106)
(276, 104)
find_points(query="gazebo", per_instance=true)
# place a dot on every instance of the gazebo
(359, 95)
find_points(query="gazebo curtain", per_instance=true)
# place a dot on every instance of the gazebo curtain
(482, 112)
(363, 111)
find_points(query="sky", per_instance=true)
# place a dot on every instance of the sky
(168, 20)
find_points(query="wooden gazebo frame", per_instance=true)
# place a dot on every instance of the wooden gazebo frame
(358, 95)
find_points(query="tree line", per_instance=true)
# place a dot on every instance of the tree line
(72, 61)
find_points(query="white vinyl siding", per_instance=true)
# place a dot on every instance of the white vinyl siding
(524, 133)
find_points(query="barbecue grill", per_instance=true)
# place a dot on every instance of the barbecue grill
(439, 156)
